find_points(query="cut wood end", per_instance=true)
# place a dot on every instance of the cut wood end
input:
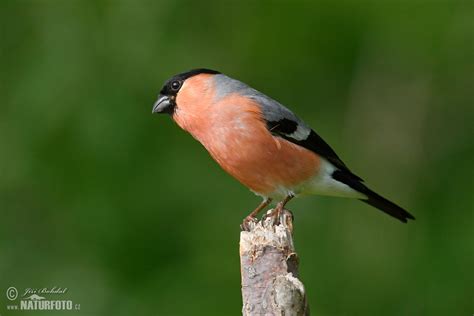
(273, 231)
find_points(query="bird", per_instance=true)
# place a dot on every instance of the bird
(261, 143)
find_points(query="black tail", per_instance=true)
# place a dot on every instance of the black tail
(386, 206)
(372, 198)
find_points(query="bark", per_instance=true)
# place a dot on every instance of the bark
(269, 269)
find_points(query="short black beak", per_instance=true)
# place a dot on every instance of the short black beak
(162, 105)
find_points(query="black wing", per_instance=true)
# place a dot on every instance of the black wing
(307, 138)
(287, 128)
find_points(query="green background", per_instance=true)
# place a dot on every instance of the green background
(133, 217)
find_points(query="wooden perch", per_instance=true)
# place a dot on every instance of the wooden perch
(269, 268)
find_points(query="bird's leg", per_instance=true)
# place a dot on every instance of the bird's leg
(251, 217)
(260, 207)
(279, 207)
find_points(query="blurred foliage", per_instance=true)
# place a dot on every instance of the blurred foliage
(132, 216)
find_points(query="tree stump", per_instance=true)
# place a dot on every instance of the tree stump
(269, 268)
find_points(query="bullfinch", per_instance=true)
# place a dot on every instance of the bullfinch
(260, 142)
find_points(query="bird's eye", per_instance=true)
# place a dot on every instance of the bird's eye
(175, 85)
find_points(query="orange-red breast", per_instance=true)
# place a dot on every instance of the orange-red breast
(260, 142)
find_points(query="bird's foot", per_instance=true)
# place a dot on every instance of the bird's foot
(277, 217)
(274, 217)
(275, 214)
(248, 223)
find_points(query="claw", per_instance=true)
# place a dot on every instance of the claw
(246, 223)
